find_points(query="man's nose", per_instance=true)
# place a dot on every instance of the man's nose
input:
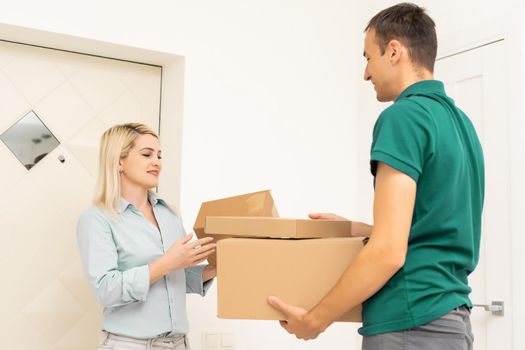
(367, 75)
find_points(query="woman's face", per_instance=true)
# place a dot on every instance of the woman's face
(143, 164)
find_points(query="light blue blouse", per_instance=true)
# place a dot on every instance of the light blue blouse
(115, 253)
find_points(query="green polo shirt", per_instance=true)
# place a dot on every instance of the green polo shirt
(424, 135)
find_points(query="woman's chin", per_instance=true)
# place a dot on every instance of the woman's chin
(151, 185)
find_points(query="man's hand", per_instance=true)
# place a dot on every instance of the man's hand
(359, 229)
(297, 320)
(325, 216)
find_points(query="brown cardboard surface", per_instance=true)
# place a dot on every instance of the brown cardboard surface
(251, 204)
(300, 272)
(276, 227)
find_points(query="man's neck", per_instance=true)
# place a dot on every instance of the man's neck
(414, 76)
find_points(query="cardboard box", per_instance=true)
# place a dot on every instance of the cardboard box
(255, 215)
(300, 272)
(256, 204)
(272, 227)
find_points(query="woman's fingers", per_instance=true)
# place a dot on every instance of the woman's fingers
(196, 262)
(200, 242)
(201, 248)
(204, 251)
(186, 238)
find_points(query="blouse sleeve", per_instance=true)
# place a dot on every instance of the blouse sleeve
(99, 259)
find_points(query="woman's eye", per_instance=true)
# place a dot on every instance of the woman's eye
(159, 156)
(146, 155)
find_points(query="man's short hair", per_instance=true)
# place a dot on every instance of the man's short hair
(409, 24)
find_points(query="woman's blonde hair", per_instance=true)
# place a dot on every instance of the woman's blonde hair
(115, 144)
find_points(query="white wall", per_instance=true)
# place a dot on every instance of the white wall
(269, 103)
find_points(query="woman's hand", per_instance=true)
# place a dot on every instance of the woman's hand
(180, 255)
(183, 253)
(209, 272)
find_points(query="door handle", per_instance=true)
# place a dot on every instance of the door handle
(497, 308)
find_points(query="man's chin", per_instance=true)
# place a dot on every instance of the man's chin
(383, 98)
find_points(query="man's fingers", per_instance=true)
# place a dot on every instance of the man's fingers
(315, 215)
(294, 322)
(325, 216)
(279, 305)
(322, 216)
(284, 324)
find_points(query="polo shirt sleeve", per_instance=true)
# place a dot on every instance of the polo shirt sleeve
(402, 139)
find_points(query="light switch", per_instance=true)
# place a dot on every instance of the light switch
(217, 341)
(227, 341)
(212, 341)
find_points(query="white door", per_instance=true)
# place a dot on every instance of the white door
(45, 301)
(476, 80)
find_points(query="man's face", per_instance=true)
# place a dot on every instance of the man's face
(378, 68)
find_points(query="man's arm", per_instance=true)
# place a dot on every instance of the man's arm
(376, 263)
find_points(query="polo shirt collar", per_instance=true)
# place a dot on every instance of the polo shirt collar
(423, 87)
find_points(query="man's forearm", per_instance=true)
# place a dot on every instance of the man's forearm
(369, 272)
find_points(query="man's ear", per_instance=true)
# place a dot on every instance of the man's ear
(394, 50)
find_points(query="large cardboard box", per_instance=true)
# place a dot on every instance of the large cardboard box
(299, 271)
(273, 227)
(256, 204)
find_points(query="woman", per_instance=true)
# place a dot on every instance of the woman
(133, 247)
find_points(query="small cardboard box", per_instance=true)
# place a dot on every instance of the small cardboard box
(300, 272)
(258, 204)
(255, 215)
(272, 227)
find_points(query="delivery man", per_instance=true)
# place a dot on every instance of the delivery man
(427, 163)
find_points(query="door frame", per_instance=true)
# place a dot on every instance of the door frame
(171, 96)
(509, 28)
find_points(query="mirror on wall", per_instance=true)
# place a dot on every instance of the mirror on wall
(29, 139)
